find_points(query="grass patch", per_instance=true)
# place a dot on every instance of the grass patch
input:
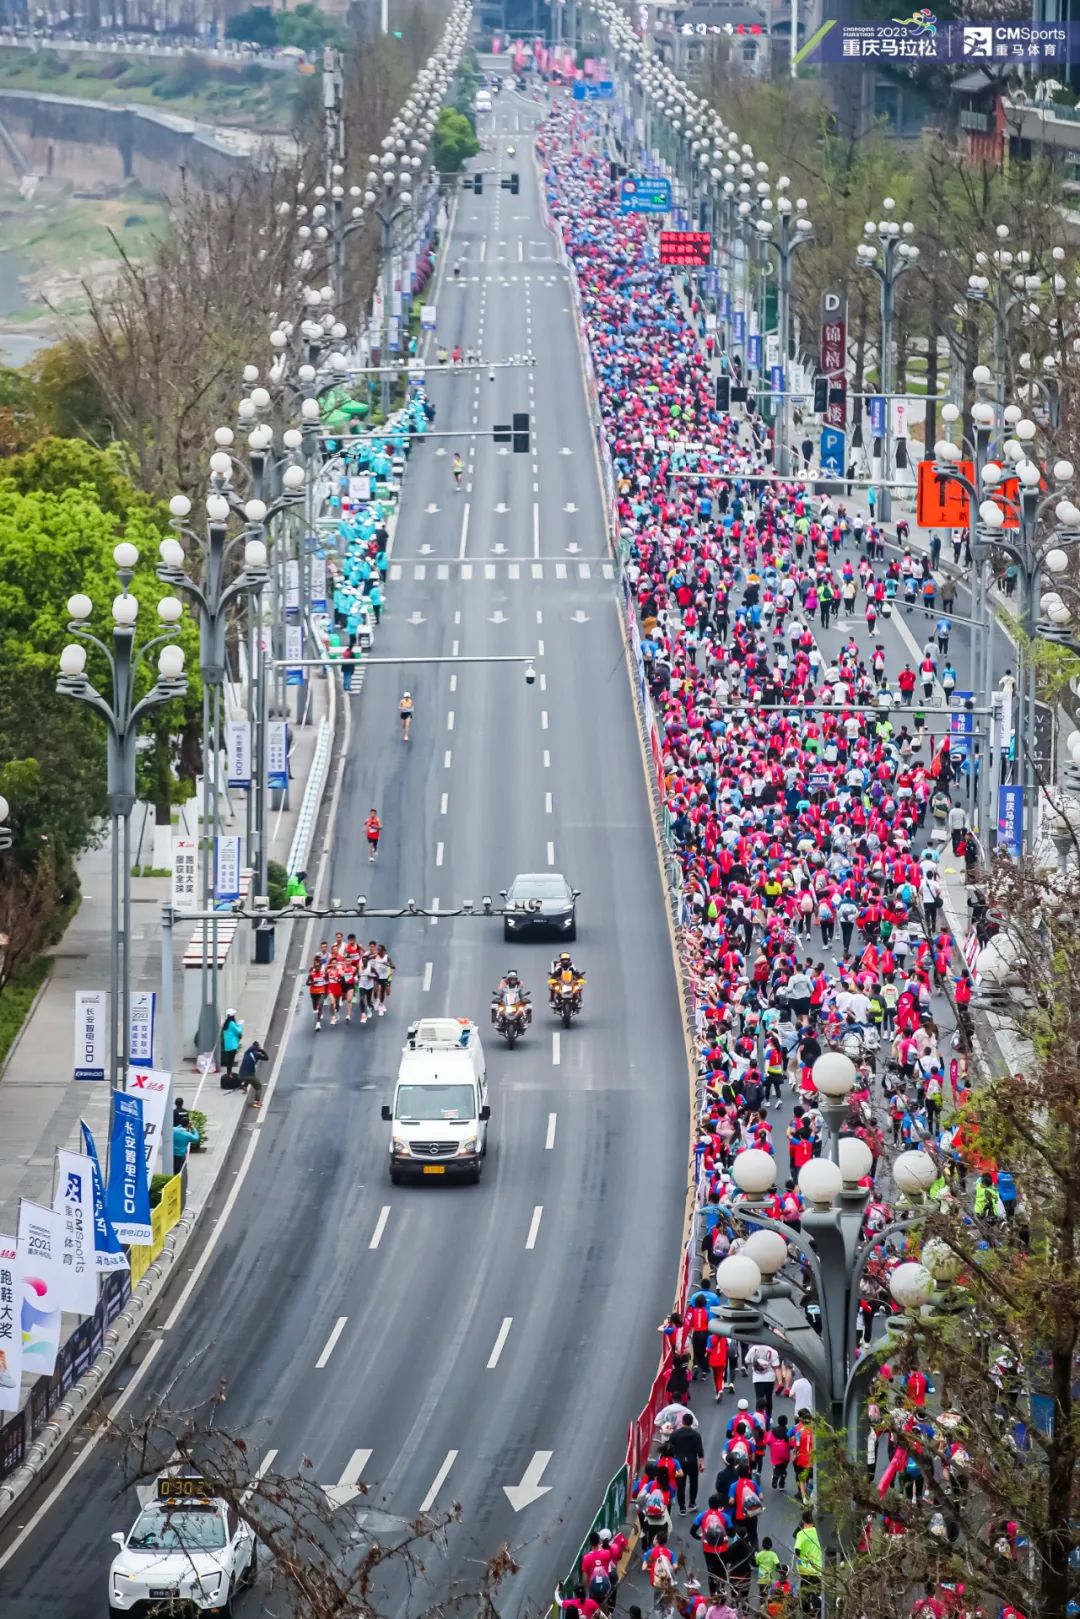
(17, 999)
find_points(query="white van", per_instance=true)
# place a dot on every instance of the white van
(439, 1118)
(483, 101)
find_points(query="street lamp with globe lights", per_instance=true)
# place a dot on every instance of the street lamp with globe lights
(123, 710)
(887, 253)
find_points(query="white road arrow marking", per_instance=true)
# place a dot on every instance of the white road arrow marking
(432, 509)
(530, 1489)
(440, 1479)
(499, 549)
(440, 450)
(573, 547)
(426, 549)
(416, 618)
(579, 617)
(569, 507)
(565, 451)
(498, 617)
(502, 507)
(503, 450)
(348, 1486)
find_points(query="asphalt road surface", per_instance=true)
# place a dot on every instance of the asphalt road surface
(444, 1336)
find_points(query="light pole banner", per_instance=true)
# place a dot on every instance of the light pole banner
(185, 873)
(141, 1032)
(277, 753)
(1011, 820)
(108, 1254)
(10, 1325)
(127, 1196)
(738, 327)
(294, 652)
(74, 1203)
(877, 415)
(151, 1086)
(91, 1006)
(292, 585)
(38, 1251)
(318, 584)
(227, 867)
(238, 753)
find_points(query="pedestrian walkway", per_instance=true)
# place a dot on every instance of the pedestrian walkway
(505, 569)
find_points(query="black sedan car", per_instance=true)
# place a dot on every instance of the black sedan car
(540, 902)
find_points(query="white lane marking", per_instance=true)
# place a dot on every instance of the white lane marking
(438, 854)
(549, 1142)
(429, 968)
(335, 1334)
(434, 906)
(447, 756)
(540, 647)
(88, 1449)
(556, 1049)
(547, 760)
(450, 720)
(551, 854)
(266, 1464)
(543, 719)
(500, 1343)
(536, 528)
(440, 1479)
(534, 1226)
(463, 542)
(543, 682)
(348, 1485)
(547, 803)
(444, 803)
(457, 616)
(560, 570)
(380, 1226)
(539, 615)
(466, 572)
(453, 682)
(453, 653)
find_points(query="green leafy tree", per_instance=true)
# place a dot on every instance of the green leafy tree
(454, 141)
(257, 25)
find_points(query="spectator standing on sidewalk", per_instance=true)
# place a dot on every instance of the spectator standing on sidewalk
(231, 1034)
(689, 1452)
(249, 1070)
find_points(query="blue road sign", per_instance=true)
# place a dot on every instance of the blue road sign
(589, 90)
(833, 451)
(638, 195)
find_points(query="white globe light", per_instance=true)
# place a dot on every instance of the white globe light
(171, 553)
(1063, 471)
(1067, 513)
(292, 438)
(950, 413)
(737, 1278)
(1012, 414)
(125, 555)
(982, 412)
(310, 410)
(992, 474)
(820, 1181)
(1030, 474)
(1060, 614)
(245, 410)
(171, 662)
(1026, 430)
(125, 610)
(911, 1285)
(221, 464)
(856, 1160)
(251, 373)
(834, 1074)
(254, 554)
(991, 514)
(179, 506)
(767, 1249)
(1057, 560)
(255, 511)
(306, 373)
(217, 508)
(79, 607)
(72, 660)
(169, 610)
(260, 398)
(754, 1171)
(293, 477)
(278, 340)
(914, 1172)
(981, 376)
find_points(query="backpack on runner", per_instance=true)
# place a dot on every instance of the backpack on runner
(599, 1586)
(655, 1505)
(662, 1572)
(713, 1530)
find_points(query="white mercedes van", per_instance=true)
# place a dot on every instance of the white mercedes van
(439, 1117)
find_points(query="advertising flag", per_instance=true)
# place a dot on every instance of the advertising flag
(127, 1196)
(10, 1325)
(38, 1257)
(90, 1035)
(238, 753)
(74, 1203)
(318, 584)
(108, 1254)
(277, 753)
(227, 867)
(185, 873)
(151, 1086)
(141, 1032)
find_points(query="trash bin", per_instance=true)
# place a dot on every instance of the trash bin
(264, 944)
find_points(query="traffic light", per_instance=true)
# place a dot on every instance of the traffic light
(521, 432)
(821, 395)
(478, 183)
(723, 393)
(515, 184)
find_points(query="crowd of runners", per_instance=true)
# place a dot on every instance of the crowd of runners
(347, 977)
(803, 778)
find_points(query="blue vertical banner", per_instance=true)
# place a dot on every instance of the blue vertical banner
(961, 725)
(1011, 820)
(108, 1254)
(738, 327)
(753, 351)
(127, 1196)
(877, 415)
(724, 306)
(776, 379)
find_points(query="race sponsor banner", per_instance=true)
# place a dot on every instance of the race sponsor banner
(318, 584)
(127, 1196)
(38, 1250)
(292, 585)
(141, 1030)
(238, 753)
(294, 652)
(11, 1357)
(90, 1033)
(74, 1203)
(227, 867)
(185, 873)
(151, 1086)
(108, 1254)
(277, 753)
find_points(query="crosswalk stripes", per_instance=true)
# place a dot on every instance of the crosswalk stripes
(418, 571)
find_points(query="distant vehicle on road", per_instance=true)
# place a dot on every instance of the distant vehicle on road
(439, 1116)
(540, 902)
